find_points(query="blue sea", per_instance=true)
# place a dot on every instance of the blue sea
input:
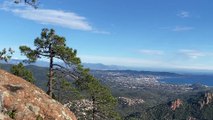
(190, 79)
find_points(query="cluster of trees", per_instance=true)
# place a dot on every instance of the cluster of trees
(21, 71)
(66, 80)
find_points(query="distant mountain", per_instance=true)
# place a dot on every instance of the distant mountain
(92, 66)
(100, 66)
(16, 61)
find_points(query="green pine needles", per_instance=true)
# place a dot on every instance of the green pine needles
(21, 71)
(70, 77)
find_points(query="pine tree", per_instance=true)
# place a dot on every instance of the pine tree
(52, 47)
(21, 71)
(64, 90)
(104, 104)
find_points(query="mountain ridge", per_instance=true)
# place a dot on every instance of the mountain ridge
(180, 109)
(101, 66)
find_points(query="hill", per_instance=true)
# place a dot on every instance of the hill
(196, 107)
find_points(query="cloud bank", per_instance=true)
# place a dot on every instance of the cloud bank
(55, 17)
(60, 18)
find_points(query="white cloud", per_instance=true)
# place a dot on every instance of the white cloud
(183, 14)
(151, 52)
(192, 53)
(61, 18)
(182, 28)
(101, 32)
(54, 17)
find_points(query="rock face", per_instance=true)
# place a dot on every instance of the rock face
(130, 101)
(208, 98)
(82, 108)
(176, 104)
(21, 100)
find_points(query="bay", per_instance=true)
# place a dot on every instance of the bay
(190, 79)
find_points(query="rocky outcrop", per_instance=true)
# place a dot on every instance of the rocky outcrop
(208, 98)
(21, 100)
(130, 101)
(192, 118)
(176, 104)
(82, 108)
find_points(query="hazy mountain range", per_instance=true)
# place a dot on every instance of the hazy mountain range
(100, 66)
(93, 66)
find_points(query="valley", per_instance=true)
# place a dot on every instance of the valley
(136, 91)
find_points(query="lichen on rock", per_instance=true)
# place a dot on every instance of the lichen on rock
(22, 100)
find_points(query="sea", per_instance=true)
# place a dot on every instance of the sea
(190, 79)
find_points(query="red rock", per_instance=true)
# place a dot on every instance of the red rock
(176, 104)
(28, 101)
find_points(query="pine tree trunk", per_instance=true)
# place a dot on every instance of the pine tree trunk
(50, 82)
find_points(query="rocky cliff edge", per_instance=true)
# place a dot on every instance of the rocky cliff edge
(22, 100)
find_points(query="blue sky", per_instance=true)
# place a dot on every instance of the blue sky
(139, 33)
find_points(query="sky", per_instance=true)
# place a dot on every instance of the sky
(173, 34)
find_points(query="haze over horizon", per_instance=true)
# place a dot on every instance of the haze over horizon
(144, 33)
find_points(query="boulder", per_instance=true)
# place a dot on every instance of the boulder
(22, 100)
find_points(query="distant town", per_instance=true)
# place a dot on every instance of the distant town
(141, 80)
